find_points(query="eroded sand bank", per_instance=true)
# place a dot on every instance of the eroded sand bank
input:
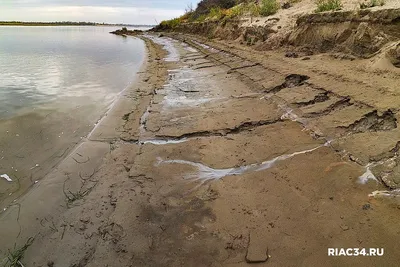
(210, 169)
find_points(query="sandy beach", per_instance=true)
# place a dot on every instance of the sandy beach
(218, 157)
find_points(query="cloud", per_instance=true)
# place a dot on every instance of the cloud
(117, 11)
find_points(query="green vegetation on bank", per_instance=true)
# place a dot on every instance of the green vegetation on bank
(209, 10)
(222, 10)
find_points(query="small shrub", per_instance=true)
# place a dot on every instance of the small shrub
(254, 10)
(216, 13)
(201, 18)
(328, 5)
(372, 3)
(269, 7)
(237, 11)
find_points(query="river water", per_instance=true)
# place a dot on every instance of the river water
(55, 84)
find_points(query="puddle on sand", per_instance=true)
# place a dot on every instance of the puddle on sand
(205, 173)
(162, 141)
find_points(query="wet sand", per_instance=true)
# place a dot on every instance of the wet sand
(34, 143)
(217, 160)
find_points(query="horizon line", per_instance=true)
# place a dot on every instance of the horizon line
(72, 22)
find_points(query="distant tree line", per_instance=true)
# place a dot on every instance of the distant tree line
(65, 23)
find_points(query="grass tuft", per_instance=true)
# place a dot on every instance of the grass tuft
(14, 257)
(328, 5)
(269, 7)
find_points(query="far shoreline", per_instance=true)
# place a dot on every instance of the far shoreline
(69, 23)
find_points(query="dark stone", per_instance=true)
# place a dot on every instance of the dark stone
(366, 207)
(257, 251)
(286, 5)
(291, 54)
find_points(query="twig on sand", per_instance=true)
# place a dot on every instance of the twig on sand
(81, 162)
(88, 178)
(71, 197)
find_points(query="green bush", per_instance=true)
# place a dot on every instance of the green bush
(268, 7)
(251, 9)
(327, 5)
(372, 3)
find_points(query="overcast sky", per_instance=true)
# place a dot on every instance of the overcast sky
(111, 11)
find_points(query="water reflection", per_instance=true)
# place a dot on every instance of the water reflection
(40, 65)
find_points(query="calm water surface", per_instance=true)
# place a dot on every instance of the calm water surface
(55, 84)
(63, 65)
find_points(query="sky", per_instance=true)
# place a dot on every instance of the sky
(109, 11)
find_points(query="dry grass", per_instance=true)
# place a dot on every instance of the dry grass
(83, 191)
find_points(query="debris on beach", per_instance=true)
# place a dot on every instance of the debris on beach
(5, 176)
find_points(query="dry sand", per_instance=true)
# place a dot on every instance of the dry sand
(218, 159)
